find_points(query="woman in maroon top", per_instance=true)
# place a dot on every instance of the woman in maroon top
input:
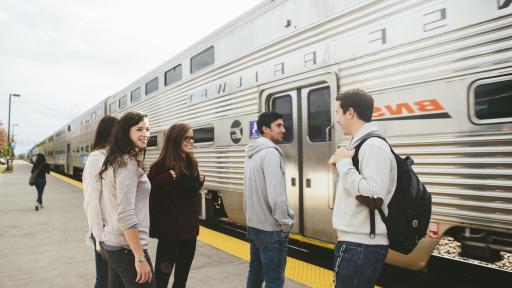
(174, 205)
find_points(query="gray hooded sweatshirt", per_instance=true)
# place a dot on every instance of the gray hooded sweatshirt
(265, 199)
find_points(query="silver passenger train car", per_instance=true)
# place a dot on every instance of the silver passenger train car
(441, 75)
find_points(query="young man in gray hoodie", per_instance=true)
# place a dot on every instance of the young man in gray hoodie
(359, 256)
(269, 216)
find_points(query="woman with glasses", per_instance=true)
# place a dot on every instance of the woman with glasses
(174, 208)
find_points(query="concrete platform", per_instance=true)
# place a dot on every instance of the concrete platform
(47, 248)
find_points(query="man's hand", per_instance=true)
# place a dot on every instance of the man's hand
(332, 163)
(343, 153)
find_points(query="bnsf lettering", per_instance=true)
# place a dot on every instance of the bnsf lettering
(404, 109)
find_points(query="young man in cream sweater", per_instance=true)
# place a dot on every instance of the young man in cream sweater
(359, 256)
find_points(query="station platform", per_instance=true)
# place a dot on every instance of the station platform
(47, 248)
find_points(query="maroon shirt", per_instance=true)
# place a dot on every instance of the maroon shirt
(173, 204)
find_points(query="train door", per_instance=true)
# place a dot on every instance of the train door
(286, 104)
(307, 146)
(68, 158)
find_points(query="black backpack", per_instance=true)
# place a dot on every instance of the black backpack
(410, 207)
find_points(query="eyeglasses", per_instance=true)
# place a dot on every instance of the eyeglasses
(188, 138)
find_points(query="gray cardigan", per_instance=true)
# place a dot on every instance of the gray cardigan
(127, 196)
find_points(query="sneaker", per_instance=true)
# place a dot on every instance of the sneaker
(41, 206)
(37, 207)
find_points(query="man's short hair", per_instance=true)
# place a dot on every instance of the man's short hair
(359, 100)
(266, 119)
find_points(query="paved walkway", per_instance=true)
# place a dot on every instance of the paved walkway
(47, 248)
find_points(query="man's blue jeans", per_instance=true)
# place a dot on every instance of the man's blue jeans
(268, 258)
(358, 265)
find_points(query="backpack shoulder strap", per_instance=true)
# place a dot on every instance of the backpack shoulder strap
(355, 158)
(355, 162)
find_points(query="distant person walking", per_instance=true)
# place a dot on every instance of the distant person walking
(126, 188)
(95, 203)
(269, 216)
(174, 207)
(41, 168)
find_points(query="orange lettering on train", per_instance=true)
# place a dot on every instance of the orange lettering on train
(398, 110)
(405, 108)
(377, 112)
(428, 105)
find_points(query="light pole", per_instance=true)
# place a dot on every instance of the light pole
(9, 160)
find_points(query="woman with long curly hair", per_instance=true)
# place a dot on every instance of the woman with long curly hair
(175, 184)
(126, 188)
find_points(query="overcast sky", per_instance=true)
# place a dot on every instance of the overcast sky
(63, 56)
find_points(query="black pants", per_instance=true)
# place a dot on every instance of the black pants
(40, 188)
(170, 253)
(101, 267)
(121, 269)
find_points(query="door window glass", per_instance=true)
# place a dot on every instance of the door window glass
(283, 106)
(319, 115)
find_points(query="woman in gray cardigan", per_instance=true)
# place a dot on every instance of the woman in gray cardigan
(126, 189)
(94, 201)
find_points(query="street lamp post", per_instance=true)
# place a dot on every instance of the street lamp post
(9, 160)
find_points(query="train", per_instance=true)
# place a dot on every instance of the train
(440, 72)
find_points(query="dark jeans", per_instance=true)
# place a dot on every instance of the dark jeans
(121, 269)
(40, 188)
(171, 253)
(101, 267)
(268, 257)
(358, 265)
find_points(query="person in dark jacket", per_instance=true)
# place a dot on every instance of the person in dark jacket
(41, 168)
(174, 207)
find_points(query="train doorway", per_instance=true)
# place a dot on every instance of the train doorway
(307, 145)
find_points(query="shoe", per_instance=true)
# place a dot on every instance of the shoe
(37, 207)
(41, 206)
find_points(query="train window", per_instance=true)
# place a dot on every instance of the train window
(202, 59)
(112, 107)
(123, 101)
(152, 86)
(319, 114)
(173, 75)
(87, 148)
(69, 128)
(135, 95)
(93, 116)
(152, 141)
(81, 148)
(203, 135)
(283, 105)
(492, 99)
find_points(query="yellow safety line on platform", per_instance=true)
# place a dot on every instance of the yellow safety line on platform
(300, 271)
(67, 180)
(312, 241)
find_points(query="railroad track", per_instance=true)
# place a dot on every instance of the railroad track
(445, 268)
